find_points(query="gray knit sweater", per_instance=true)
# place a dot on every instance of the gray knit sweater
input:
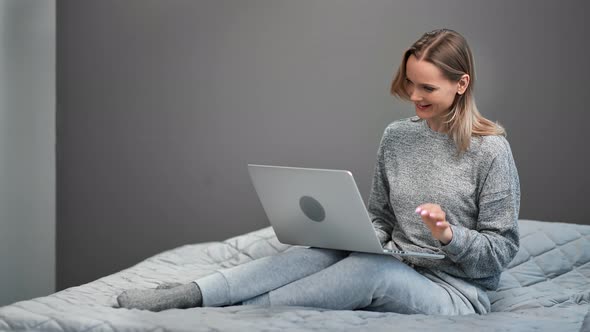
(479, 192)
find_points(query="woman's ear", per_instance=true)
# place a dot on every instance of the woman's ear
(463, 84)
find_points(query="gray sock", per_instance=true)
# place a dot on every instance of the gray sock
(183, 296)
(168, 285)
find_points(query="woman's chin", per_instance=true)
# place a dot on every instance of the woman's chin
(423, 114)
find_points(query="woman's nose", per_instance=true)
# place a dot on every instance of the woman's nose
(414, 96)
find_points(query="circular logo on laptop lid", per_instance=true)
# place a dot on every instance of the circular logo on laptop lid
(312, 208)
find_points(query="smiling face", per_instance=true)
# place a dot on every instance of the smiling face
(431, 92)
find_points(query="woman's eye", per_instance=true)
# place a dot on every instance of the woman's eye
(429, 89)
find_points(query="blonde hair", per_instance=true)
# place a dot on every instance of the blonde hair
(449, 52)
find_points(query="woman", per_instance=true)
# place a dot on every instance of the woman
(445, 182)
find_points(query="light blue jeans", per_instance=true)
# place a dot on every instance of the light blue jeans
(332, 279)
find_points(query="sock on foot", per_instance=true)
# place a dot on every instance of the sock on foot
(168, 285)
(181, 297)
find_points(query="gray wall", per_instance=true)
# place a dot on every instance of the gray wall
(163, 103)
(27, 149)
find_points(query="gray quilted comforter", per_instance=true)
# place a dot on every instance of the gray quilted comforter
(546, 287)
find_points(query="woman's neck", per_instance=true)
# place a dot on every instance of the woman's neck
(436, 125)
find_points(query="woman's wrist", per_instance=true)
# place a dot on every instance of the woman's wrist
(446, 236)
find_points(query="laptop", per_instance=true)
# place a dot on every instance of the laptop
(318, 208)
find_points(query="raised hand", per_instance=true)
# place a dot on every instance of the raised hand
(435, 219)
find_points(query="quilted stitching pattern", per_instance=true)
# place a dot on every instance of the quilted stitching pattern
(552, 268)
(545, 288)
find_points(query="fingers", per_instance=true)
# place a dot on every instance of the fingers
(435, 219)
(431, 212)
(442, 224)
(432, 215)
(430, 208)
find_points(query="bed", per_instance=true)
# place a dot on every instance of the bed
(545, 288)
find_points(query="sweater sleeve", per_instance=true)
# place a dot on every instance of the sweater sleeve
(379, 207)
(488, 249)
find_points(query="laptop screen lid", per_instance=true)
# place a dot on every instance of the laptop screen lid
(318, 208)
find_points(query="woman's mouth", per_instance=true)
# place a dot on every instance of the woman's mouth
(423, 107)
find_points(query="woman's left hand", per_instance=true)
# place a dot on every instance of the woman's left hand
(435, 219)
